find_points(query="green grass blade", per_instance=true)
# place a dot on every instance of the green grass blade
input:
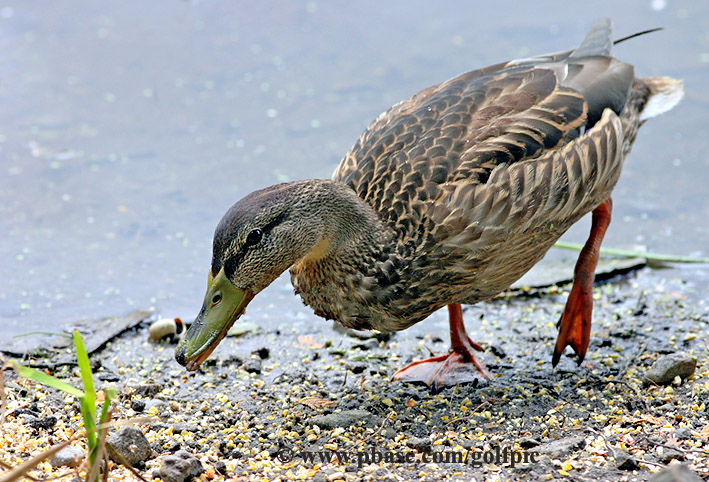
(90, 427)
(629, 253)
(44, 379)
(87, 376)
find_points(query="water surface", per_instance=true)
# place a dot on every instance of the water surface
(128, 128)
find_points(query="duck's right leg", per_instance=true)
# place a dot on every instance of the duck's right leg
(575, 323)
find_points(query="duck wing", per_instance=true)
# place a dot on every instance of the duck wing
(497, 149)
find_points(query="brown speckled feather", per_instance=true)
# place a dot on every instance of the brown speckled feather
(480, 175)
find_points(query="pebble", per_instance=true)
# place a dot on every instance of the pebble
(185, 427)
(675, 473)
(179, 467)
(165, 327)
(367, 345)
(39, 423)
(667, 367)
(420, 444)
(561, 447)
(669, 454)
(153, 403)
(529, 442)
(69, 456)
(147, 389)
(129, 443)
(221, 468)
(253, 365)
(345, 419)
(623, 461)
(682, 433)
(107, 376)
(263, 353)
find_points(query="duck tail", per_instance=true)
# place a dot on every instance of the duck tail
(598, 40)
(665, 93)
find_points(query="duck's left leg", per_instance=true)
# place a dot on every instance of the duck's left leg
(460, 365)
(575, 323)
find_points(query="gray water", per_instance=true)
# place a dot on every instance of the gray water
(128, 128)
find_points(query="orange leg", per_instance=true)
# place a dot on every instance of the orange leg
(460, 364)
(575, 323)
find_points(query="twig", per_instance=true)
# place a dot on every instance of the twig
(386, 419)
(629, 253)
(8, 466)
(475, 410)
(20, 470)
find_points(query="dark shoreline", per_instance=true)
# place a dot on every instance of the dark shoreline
(320, 390)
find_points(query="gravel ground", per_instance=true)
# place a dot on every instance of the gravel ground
(276, 404)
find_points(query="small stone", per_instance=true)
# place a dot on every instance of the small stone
(675, 473)
(129, 445)
(528, 443)
(345, 419)
(667, 367)
(253, 365)
(42, 423)
(147, 389)
(138, 405)
(358, 368)
(420, 444)
(335, 476)
(180, 427)
(561, 447)
(389, 433)
(263, 353)
(221, 468)
(174, 447)
(623, 461)
(367, 345)
(69, 456)
(108, 377)
(669, 454)
(153, 403)
(682, 433)
(180, 467)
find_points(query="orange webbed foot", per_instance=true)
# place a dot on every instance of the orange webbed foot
(460, 365)
(575, 325)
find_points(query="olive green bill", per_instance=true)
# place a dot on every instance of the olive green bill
(223, 304)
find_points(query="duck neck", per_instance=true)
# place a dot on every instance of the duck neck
(340, 274)
(350, 228)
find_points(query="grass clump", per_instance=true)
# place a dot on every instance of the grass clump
(96, 424)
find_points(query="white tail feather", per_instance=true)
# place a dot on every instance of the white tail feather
(665, 93)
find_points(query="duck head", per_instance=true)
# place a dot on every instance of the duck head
(260, 237)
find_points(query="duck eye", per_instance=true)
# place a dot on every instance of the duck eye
(216, 298)
(254, 237)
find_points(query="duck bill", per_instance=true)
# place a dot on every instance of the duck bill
(223, 304)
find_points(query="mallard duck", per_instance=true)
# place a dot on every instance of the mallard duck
(446, 198)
